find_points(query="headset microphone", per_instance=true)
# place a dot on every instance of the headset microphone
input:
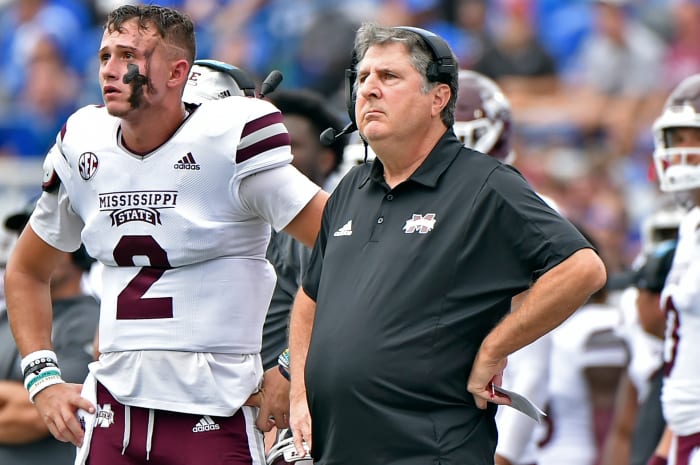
(270, 83)
(330, 135)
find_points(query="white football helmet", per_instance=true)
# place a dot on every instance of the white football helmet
(483, 119)
(213, 80)
(682, 110)
(283, 451)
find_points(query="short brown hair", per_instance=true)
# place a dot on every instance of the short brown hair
(174, 27)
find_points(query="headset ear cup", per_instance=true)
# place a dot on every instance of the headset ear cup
(350, 95)
(432, 72)
(443, 68)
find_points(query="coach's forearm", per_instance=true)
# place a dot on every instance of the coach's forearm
(551, 300)
(300, 326)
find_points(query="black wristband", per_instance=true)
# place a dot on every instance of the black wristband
(284, 372)
(38, 365)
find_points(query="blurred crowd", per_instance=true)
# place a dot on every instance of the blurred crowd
(585, 78)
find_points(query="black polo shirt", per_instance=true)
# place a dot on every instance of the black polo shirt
(408, 282)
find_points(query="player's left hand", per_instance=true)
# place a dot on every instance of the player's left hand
(274, 409)
(58, 405)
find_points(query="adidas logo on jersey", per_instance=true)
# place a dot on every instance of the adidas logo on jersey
(205, 424)
(187, 163)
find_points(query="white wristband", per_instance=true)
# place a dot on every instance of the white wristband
(40, 384)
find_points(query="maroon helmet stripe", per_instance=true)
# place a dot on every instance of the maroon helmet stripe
(278, 140)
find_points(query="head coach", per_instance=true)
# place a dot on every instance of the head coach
(404, 322)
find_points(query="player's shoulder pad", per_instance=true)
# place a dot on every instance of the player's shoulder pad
(88, 114)
(234, 111)
(246, 105)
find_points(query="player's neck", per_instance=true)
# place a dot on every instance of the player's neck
(146, 133)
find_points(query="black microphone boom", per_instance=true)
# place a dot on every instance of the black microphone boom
(270, 83)
(330, 135)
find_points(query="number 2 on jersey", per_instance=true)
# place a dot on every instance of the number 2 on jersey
(131, 303)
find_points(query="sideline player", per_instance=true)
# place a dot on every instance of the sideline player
(677, 160)
(177, 202)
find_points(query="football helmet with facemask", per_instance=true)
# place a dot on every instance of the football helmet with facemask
(483, 118)
(283, 451)
(678, 168)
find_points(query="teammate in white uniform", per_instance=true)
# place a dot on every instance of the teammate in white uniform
(677, 160)
(177, 202)
(638, 423)
(584, 349)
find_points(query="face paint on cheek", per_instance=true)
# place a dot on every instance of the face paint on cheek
(137, 81)
(133, 75)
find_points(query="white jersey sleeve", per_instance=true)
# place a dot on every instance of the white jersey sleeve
(277, 195)
(55, 222)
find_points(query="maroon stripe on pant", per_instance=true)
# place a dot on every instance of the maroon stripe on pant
(686, 446)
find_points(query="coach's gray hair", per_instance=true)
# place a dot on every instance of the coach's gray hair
(420, 55)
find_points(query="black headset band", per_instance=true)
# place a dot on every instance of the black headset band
(443, 67)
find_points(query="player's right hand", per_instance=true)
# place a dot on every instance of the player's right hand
(57, 406)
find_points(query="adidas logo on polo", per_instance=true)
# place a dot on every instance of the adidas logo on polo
(187, 163)
(205, 424)
(346, 230)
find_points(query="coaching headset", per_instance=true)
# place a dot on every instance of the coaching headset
(443, 69)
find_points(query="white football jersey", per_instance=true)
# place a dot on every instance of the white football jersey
(183, 246)
(527, 373)
(646, 351)
(571, 438)
(681, 300)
